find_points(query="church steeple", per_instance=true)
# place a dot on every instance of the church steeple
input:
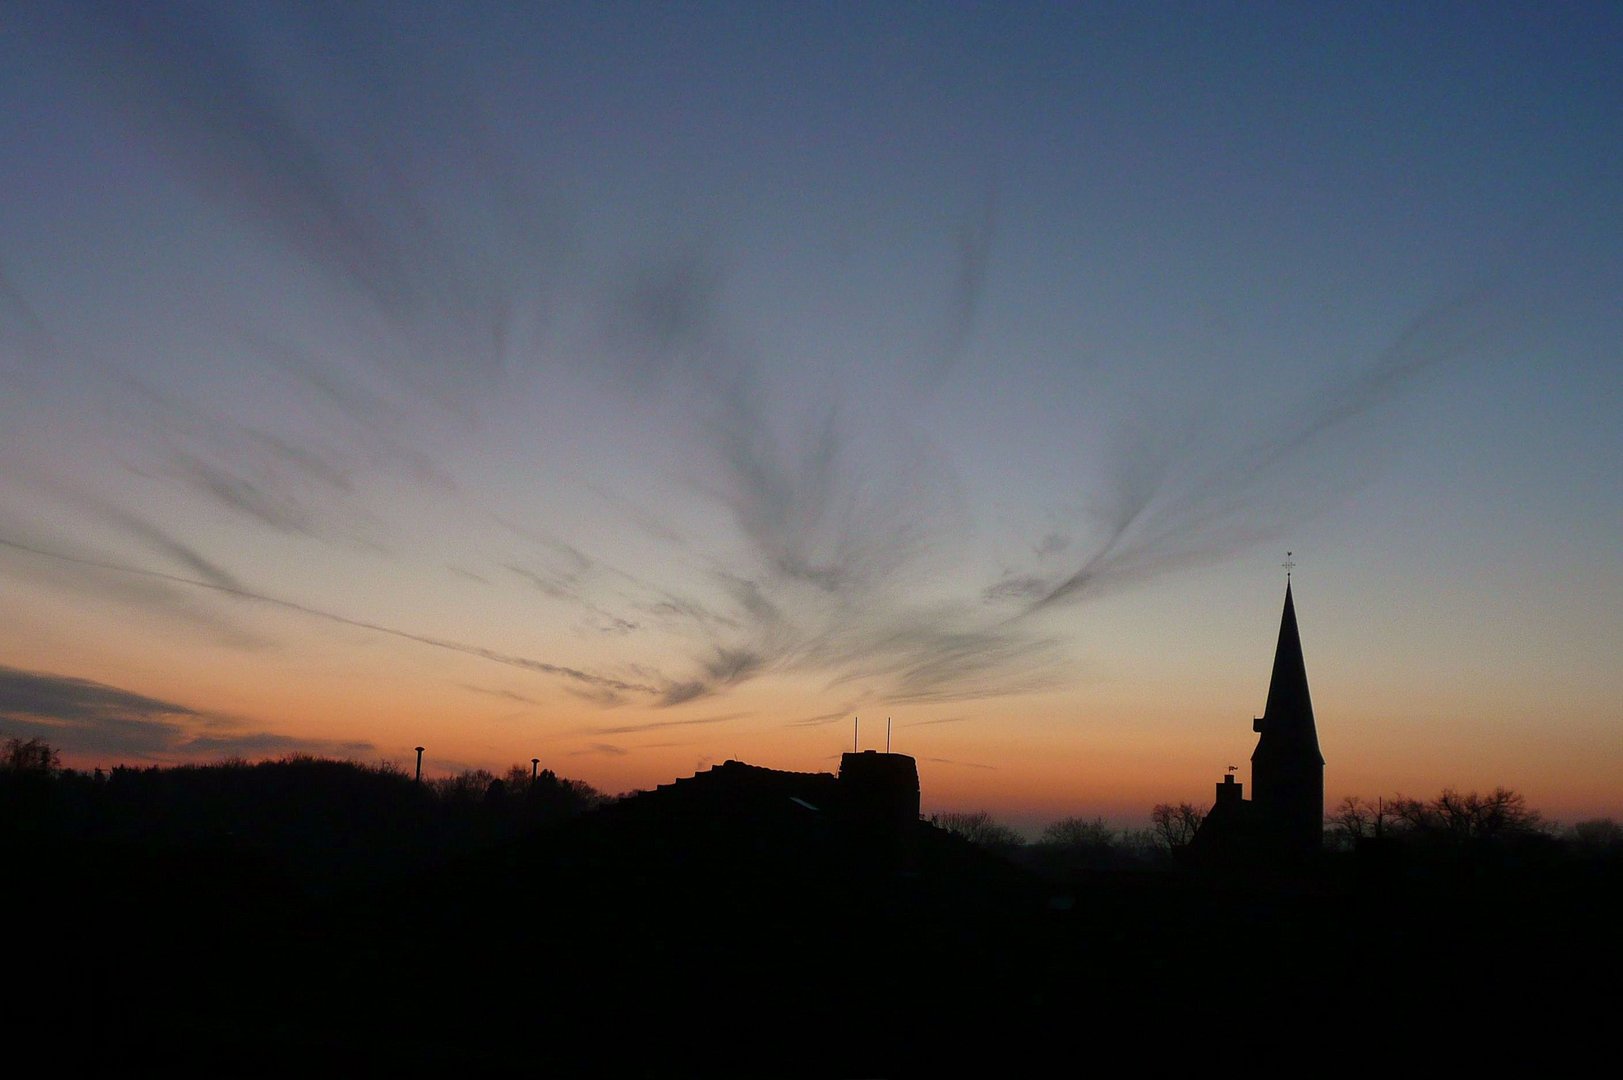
(1287, 769)
(1283, 823)
(1288, 716)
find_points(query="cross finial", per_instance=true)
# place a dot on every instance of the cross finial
(1289, 564)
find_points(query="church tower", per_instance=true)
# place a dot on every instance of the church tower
(1287, 770)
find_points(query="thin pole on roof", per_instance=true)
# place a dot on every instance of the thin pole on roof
(887, 734)
(854, 720)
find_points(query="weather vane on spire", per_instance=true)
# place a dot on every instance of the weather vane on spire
(1289, 564)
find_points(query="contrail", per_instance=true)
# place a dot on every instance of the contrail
(526, 663)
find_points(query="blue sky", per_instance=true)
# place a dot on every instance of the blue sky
(650, 384)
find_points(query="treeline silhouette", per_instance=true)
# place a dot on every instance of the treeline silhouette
(336, 917)
(1083, 843)
(318, 822)
(1488, 827)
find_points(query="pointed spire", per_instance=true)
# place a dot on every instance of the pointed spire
(1287, 769)
(1288, 716)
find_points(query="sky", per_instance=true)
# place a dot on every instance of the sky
(638, 386)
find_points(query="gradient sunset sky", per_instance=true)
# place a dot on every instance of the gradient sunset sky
(641, 386)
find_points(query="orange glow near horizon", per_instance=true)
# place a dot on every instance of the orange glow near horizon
(1148, 718)
(1008, 759)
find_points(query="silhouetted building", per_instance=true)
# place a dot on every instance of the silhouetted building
(873, 791)
(1285, 817)
(880, 791)
(740, 812)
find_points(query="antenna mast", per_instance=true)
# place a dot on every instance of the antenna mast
(887, 734)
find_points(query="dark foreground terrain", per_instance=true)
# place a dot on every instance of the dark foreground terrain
(631, 940)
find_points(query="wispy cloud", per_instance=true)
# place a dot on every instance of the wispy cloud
(590, 681)
(251, 743)
(821, 719)
(158, 540)
(301, 489)
(150, 594)
(608, 749)
(71, 700)
(1184, 492)
(23, 334)
(814, 527)
(509, 695)
(971, 269)
(656, 725)
(94, 719)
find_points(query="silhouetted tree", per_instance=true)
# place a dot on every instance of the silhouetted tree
(28, 756)
(1174, 826)
(391, 769)
(1078, 844)
(1356, 819)
(1597, 837)
(465, 788)
(1079, 832)
(1501, 813)
(979, 828)
(518, 780)
(549, 797)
